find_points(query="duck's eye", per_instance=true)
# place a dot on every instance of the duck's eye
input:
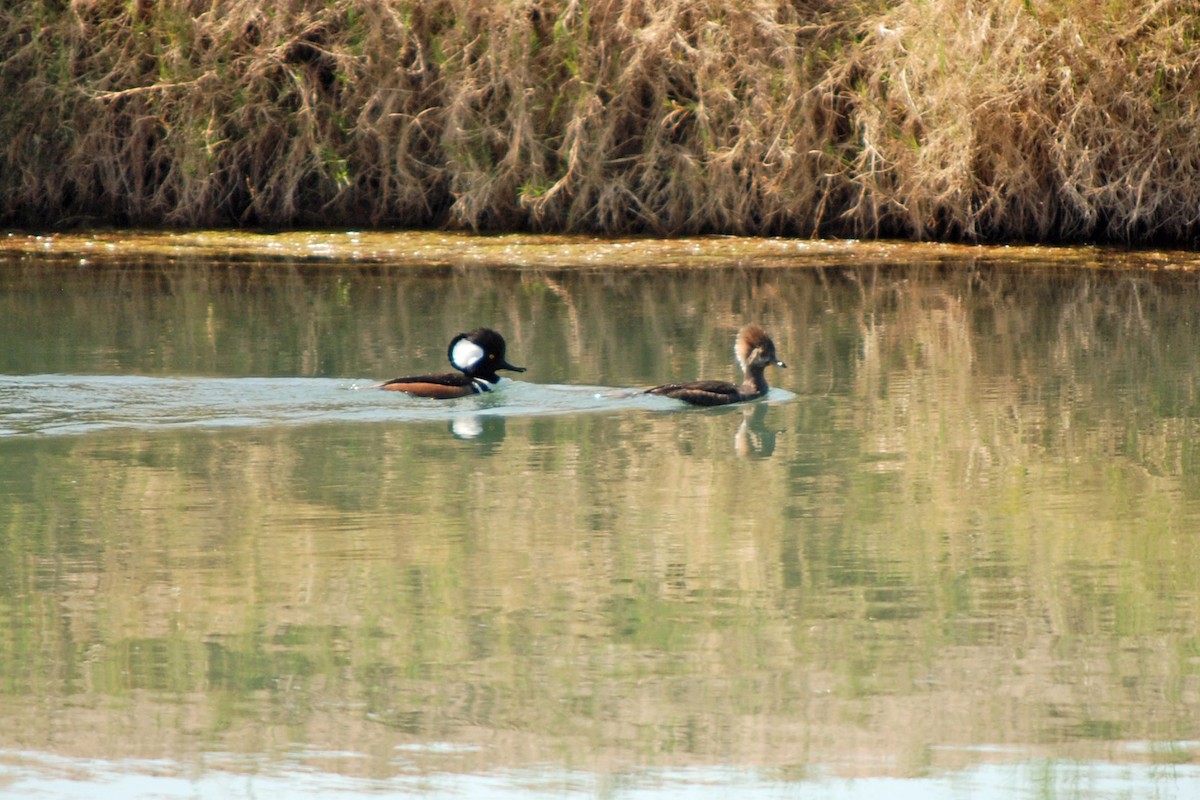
(491, 356)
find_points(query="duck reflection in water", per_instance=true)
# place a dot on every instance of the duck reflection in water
(476, 355)
(487, 429)
(753, 438)
(754, 351)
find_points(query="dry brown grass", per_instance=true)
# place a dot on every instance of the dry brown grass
(1010, 119)
(964, 119)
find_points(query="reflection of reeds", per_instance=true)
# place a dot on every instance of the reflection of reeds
(943, 540)
(925, 119)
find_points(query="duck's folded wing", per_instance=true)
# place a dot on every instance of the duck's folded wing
(444, 386)
(700, 393)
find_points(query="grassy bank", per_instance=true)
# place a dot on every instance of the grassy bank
(995, 119)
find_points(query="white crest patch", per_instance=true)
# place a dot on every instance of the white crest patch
(466, 354)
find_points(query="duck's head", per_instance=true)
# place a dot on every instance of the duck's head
(754, 349)
(479, 354)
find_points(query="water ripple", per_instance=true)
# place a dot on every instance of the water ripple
(80, 404)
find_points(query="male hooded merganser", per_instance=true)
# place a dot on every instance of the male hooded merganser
(477, 355)
(754, 351)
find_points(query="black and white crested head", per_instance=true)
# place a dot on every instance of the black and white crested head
(480, 353)
(754, 349)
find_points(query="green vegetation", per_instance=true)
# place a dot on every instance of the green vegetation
(940, 119)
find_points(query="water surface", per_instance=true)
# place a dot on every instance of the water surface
(953, 554)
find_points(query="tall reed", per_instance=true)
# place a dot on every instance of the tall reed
(962, 119)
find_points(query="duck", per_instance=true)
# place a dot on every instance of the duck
(476, 355)
(754, 351)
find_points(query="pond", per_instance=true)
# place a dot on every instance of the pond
(954, 552)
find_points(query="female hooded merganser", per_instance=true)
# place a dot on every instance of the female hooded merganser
(477, 355)
(754, 351)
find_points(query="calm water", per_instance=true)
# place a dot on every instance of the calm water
(954, 554)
